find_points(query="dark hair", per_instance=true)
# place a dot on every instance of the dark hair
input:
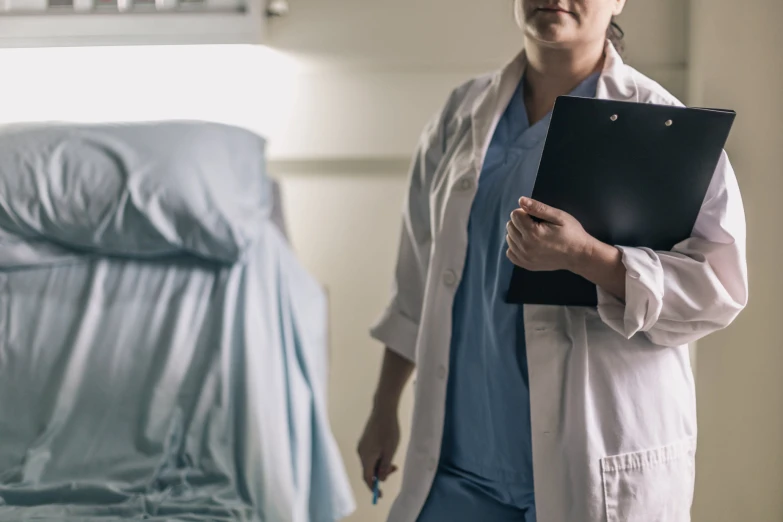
(616, 36)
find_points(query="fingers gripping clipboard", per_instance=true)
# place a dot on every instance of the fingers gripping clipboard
(633, 174)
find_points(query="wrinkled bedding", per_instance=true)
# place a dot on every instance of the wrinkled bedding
(166, 377)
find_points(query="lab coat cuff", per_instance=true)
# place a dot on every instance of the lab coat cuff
(398, 333)
(643, 294)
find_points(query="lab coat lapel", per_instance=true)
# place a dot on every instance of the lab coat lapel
(616, 81)
(489, 108)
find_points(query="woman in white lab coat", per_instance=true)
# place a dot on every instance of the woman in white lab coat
(553, 414)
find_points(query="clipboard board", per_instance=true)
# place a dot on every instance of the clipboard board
(633, 174)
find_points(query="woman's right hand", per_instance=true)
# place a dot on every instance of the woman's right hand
(379, 443)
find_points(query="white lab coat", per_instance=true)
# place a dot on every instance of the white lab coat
(612, 393)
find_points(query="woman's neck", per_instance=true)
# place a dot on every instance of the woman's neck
(555, 72)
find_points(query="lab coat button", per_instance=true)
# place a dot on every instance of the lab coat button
(450, 278)
(442, 372)
(465, 184)
(432, 464)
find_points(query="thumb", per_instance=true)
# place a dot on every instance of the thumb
(541, 211)
(392, 469)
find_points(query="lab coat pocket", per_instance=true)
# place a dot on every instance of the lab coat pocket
(654, 485)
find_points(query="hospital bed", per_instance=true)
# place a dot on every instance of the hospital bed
(162, 350)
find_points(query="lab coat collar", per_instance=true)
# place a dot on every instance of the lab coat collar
(615, 83)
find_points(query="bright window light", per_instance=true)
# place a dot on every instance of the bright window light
(243, 85)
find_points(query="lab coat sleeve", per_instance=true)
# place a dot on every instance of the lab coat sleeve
(398, 327)
(699, 287)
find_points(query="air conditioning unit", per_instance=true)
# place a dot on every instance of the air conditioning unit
(70, 23)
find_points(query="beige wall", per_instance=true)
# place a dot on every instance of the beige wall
(736, 63)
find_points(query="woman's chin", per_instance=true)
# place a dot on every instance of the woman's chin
(552, 35)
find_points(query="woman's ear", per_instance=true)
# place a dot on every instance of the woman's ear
(618, 8)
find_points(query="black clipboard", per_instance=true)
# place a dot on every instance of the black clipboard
(633, 174)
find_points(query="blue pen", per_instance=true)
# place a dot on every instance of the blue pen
(376, 484)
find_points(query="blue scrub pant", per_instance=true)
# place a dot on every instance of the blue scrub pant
(453, 498)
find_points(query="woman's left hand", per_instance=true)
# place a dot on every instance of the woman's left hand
(558, 242)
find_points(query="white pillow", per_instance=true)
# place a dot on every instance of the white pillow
(136, 190)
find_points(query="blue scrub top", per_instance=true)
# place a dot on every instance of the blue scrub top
(487, 437)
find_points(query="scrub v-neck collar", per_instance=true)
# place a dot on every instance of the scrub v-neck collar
(530, 135)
